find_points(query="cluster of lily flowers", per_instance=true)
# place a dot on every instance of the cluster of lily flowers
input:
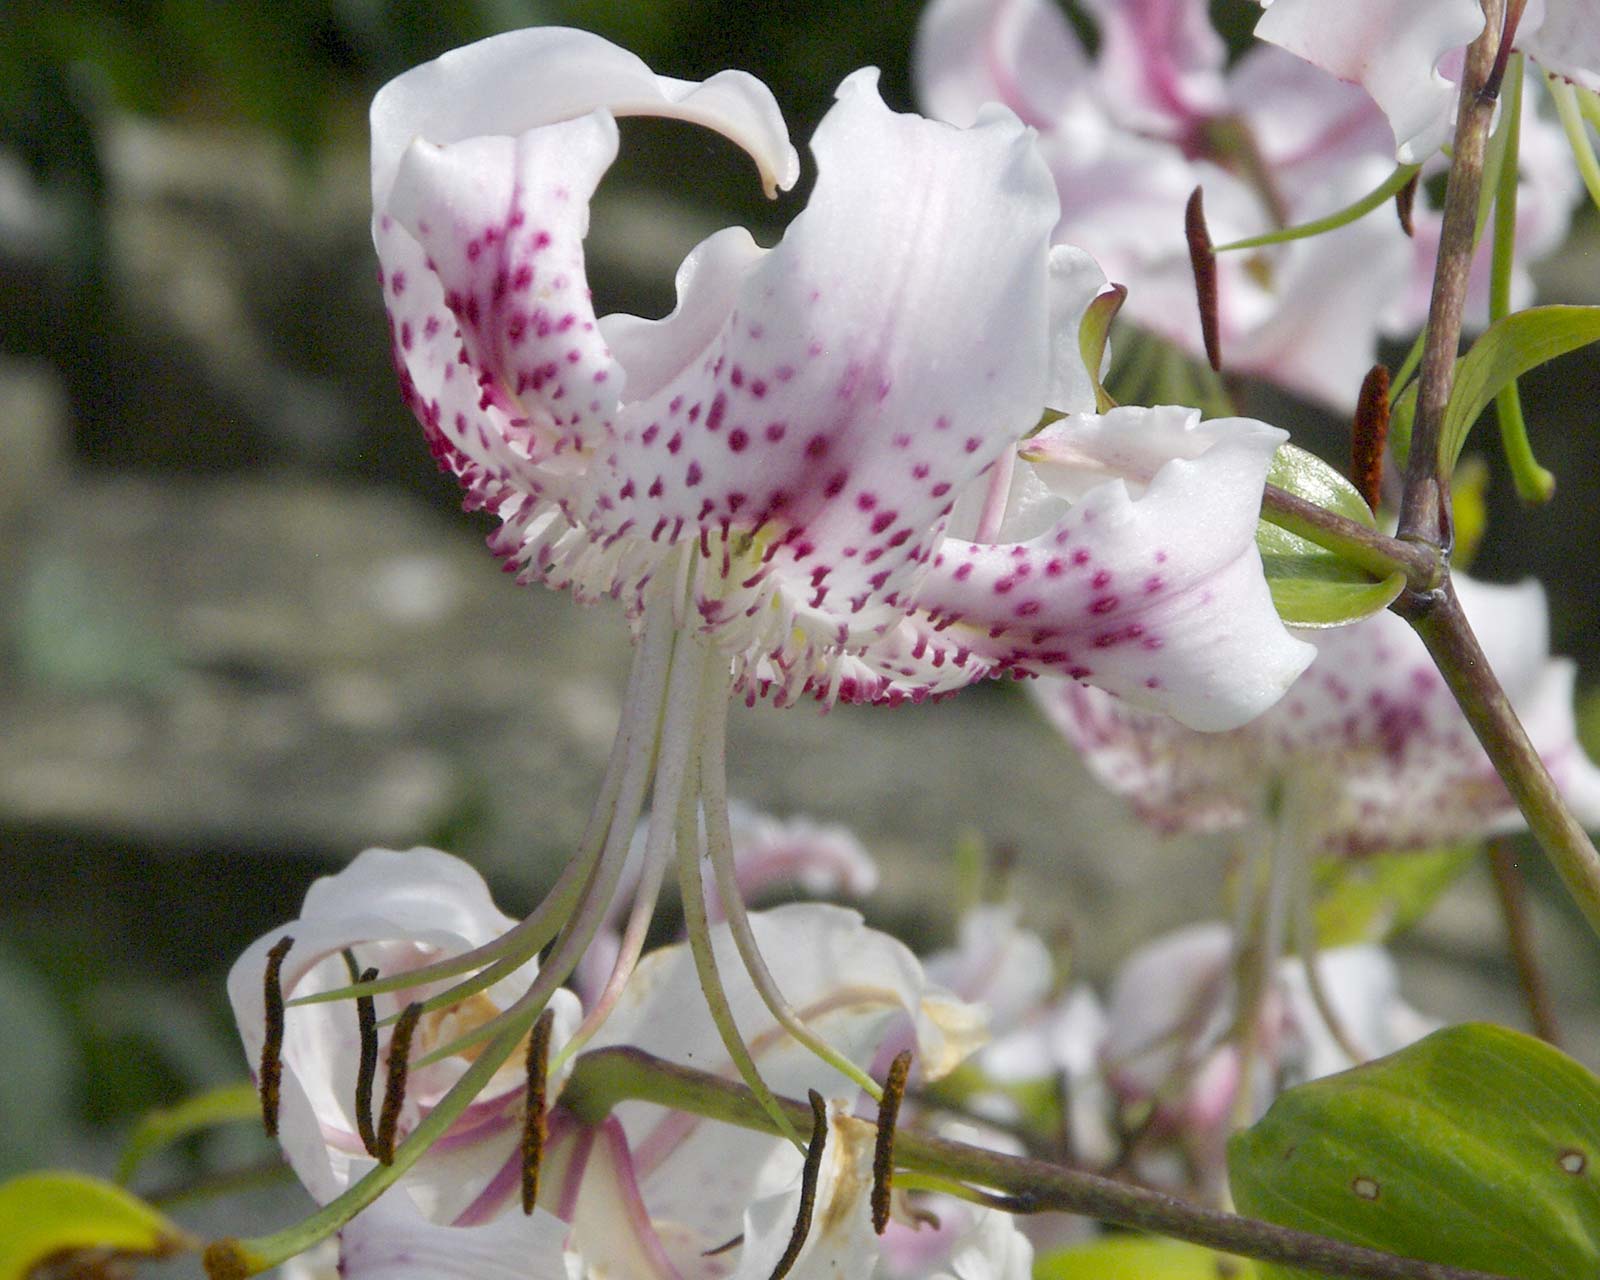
(875, 463)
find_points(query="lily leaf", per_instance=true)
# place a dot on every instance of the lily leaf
(1503, 352)
(52, 1213)
(1139, 1258)
(161, 1128)
(1311, 586)
(1476, 1147)
(1373, 899)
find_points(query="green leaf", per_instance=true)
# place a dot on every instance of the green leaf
(160, 1129)
(1476, 1147)
(51, 1213)
(1138, 1258)
(1503, 352)
(1311, 586)
(1375, 898)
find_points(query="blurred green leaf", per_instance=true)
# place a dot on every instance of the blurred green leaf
(161, 1128)
(1373, 899)
(52, 1213)
(37, 1066)
(1138, 1258)
(1311, 586)
(1503, 352)
(1474, 1147)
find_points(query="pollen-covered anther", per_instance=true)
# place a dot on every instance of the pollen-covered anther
(270, 1077)
(810, 1171)
(367, 1071)
(1405, 201)
(394, 1091)
(894, 1090)
(534, 1129)
(1369, 433)
(1203, 259)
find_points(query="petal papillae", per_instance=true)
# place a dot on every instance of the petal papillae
(1372, 719)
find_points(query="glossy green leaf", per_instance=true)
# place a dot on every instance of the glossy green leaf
(1311, 586)
(1375, 898)
(1476, 1147)
(1503, 352)
(50, 1213)
(160, 1129)
(1139, 1258)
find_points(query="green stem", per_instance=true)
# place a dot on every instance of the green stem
(1565, 96)
(1534, 483)
(607, 1077)
(1377, 553)
(1343, 217)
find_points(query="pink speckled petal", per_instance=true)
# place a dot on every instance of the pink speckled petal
(510, 83)
(1019, 53)
(864, 371)
(1159, 598)
(502, 222)
(1564, 38)
(1391, 48)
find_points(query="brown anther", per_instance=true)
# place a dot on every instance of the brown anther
(724, 1247)
(809, 1173)
(894, 1091)
(270, 1077)
(394, 1090)
(1502, 55)
(1405, 200)
(1204, 262)
(534, 1129)
(367, 1073)
(1369, 433)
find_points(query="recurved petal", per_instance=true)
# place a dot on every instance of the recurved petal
(1565, 39)
(520, 80)
(861, 374)
(1391, 48)
(1160, 63)
(1159, 598)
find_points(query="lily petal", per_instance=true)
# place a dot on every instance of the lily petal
(1564, 38)
(391, 1240)
(1392, 49)
(1019, 53)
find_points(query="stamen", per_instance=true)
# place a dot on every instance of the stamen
(1369, 433)
(1204, 261)
(894, 1089)
(534, 1130)
(1405, 200)
(809, 1172)
(367, 1073)
(270, 1077)
(394, 1090)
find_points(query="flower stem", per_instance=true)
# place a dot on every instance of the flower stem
(1513, 897)
(1377, 553)
(602, 1079)
(1438, 619)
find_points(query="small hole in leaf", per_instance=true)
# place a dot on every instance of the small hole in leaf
(1366, 1188)
(1574, 1162)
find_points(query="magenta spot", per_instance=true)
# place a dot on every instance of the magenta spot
(866, 501)
(574, 356)
(737, 439)
(1080, 557)
(397, 285)
(1054, 567)
(1152, 683)
(758, 388)
(1004, 586)
(692, 476)
(1152, 584)
(405, 335)
(1027, 608)
(973, 442)
(1105, 604)
(814, 350)
(541, 240)
(599, 375)
(656, 488)
(649, 434)
(1161, 557)
(940, 489)
(883, 520)
(963, 572)
(816, 446)
(719, 408)
(775, 430)
(676, 443)
(783, 372)
(836, 483)
(941, 423)
(430, 327)
(1101, 579)
(474, 250)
